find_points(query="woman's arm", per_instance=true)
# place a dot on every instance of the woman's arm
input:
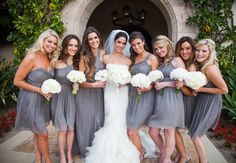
(213, 74)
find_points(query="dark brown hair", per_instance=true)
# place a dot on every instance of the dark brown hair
(135, 35)
(87, 54)
(178, 49)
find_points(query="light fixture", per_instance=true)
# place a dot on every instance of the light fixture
(127, 18)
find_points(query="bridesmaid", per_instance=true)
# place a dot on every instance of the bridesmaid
(89, 100)
(168, 105)
(33, 111)
(208, 103)
(139, 111)
(63, 104)
(185, 49)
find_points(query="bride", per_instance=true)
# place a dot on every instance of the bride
(111, 143)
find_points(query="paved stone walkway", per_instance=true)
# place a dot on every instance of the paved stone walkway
(9, 155)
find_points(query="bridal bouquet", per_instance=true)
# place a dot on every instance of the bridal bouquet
(119, 76)
(51, 86)
(101, 75)
(140, 80)
(179, 74)
(155, 75)
(195, 80)
(76, 76)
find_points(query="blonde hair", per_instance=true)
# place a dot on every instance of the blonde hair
(162, 40)
(38, 45)
(212, 59)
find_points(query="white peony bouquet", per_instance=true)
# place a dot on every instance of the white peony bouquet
(155, 75)
(101, 75)
(51, 86)
(119, 76)
(179, 74)
(195, 80)
(76, 77)
(140, 80)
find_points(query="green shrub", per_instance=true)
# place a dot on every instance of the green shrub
(8, 92)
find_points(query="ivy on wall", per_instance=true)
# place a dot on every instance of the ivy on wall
(30, 18)
(214, 20)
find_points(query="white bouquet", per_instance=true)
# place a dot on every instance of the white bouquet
(140, 80)
(101, 75)
(179, 74)
(196, 80)
(155, 75)
(51, 86)
(76, 76)
(119, 75)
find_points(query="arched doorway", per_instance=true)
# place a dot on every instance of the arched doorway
(77, 14)
(154, 22)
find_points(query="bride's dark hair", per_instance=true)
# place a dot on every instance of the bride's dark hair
(121, 34)
(136, 35)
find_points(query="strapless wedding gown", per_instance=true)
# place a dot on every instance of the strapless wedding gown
(111, 143)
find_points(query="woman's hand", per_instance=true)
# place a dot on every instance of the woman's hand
(179, 84)
(159, 85)
(99, 84)
(143, 90)
(47, 96)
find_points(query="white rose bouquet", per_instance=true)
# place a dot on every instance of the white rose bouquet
(155, 75)
(76, 77)
(101, 75)
(179, 74)
(140, 80)
(119, 75)
(50, 86)
(195, 80)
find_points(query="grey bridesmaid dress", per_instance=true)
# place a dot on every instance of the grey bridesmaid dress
(89, 104)
(168, 104)
(63, 104)
(33, 110)
(188, 109)
(207, 112)
(139, 109)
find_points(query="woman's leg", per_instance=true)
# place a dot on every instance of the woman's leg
(200, 149)
(169, 144)
(157, 138)
(61, 140)
(42, 142)
(38, 155)
(134, 137)
(183, 156)
(70, 139)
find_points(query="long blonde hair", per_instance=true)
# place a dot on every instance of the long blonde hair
(162, 40)
(38, 45)
(212, 59)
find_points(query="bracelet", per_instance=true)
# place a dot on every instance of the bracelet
(33, 89)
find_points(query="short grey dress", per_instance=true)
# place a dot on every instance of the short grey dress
(168, 104)
(188, 109)
(207, 112)
(63, 104)
(89, 104)
(139, 110)
(33, 110)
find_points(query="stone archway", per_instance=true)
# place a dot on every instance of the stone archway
(76, 14)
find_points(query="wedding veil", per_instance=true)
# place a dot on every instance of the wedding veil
(109, 44)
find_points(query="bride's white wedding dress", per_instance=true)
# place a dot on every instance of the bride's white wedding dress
(111, 143)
